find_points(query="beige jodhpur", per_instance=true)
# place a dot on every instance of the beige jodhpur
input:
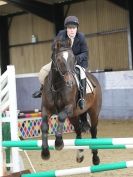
(44, 72)
(46, 68)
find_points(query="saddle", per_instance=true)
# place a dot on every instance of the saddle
(79, 76)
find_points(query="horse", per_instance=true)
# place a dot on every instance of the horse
(59, 95)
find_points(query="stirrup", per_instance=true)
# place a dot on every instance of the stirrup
(81, 103)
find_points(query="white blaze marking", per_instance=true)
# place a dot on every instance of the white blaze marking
(65, 55)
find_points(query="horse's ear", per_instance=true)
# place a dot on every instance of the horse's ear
(69, 43)
(58, 45)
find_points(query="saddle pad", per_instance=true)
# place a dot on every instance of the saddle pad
(89, 86)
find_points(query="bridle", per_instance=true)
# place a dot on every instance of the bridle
(68, 74)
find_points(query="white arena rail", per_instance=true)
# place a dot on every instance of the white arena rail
(8, 102)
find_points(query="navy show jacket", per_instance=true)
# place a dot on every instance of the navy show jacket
(79, 48)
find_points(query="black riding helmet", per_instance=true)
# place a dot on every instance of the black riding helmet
(71, 20)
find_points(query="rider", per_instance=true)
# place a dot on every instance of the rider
(80, 50)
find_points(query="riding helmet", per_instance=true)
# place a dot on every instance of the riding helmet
(71, 20)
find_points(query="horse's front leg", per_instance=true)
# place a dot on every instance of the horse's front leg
(59, 144)
(45, 154)
(66, 112)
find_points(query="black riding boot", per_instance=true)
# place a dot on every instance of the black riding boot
(38, 93)
(82, 91)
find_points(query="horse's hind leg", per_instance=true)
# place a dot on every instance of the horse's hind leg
(45, 154)
(93, 131)
(75, 122)
(95, 158)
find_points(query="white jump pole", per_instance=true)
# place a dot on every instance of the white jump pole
(13, 117)
(1, 152)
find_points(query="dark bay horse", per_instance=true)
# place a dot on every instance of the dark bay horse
(59, 96)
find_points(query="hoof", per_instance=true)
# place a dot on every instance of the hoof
(59, 144)
(96, 160)
(79, 160)
(45, 154)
